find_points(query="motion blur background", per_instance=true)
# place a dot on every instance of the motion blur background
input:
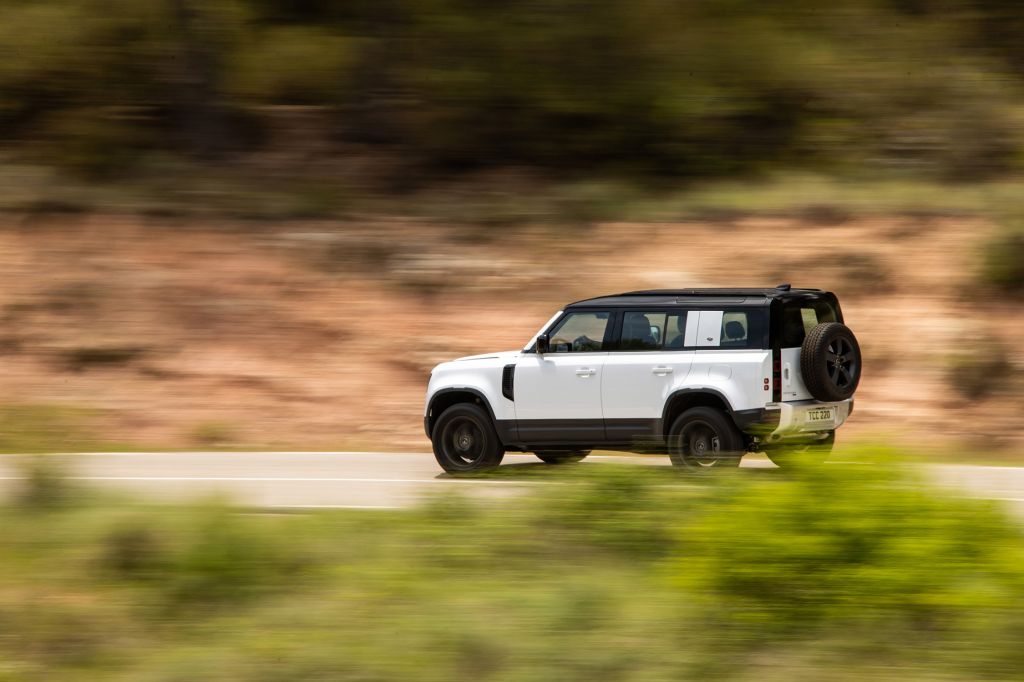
(258, 223)
(252, 224)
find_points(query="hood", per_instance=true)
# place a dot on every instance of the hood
(503, 355)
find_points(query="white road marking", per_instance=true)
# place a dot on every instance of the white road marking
(218, 453)
(354, 480)
(333, 506)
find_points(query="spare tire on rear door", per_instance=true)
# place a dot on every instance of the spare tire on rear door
(830, 362)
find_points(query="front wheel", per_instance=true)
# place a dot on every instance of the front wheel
(561, 456)
(703, 438)
(802, 454)
(464, 440)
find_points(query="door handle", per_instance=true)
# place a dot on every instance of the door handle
(584, 372)
(661, 370)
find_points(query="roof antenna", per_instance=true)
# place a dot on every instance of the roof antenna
(784, 287)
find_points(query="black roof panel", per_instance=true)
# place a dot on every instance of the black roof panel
(730, 297)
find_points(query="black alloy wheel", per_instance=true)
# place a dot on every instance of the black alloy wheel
(705, 438)
(464, 440)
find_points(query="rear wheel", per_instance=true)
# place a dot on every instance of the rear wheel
(464, 440)
(802, 454)
(704, 438)
(562, 456)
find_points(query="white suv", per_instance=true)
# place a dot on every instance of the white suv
(705, 375)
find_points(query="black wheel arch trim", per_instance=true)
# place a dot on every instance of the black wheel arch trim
(741, 418)
(503, 427)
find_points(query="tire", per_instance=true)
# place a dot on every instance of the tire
(704, 438)
(802, 454)
(464, 440)
(562, 456)
(830, 362)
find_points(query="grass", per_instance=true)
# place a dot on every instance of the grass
(486, 207)
(38, 428)
(33, 428)
(611, 573)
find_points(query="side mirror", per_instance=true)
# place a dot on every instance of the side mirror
(543, 344)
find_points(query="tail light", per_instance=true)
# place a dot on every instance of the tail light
(777, 376)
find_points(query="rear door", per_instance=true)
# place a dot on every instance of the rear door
(641, 370)
(796, 318)
(558, 394)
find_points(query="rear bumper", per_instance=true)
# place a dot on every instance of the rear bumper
(803, 418)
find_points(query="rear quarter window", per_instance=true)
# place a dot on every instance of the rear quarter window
(799, 317)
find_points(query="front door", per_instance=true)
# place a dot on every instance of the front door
(558, 394)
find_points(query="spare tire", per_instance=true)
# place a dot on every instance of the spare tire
(830, 362)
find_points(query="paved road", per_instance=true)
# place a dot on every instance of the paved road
(362, 480)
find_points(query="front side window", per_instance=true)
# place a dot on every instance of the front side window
(652, 330)
(579, 333)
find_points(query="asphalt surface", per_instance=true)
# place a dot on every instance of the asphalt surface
(363, 480)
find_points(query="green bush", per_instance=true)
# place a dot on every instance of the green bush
(983, 370)
(42, 428)
(623, 87)
(604, 572)
(1003, 266)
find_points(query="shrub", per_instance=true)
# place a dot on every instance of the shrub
(1003, 264)
(983, 370)
(604, 572)
(32, 428)
(43, 485)
(213, 433)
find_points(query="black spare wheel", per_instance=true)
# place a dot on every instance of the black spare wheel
(830, 362)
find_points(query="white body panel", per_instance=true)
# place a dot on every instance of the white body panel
(738, 375)
(792, 382)
(636, 385)
(559, 385)
(481, 373)
(704, 328)
(794, 417)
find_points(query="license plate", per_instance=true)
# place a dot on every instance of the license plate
(821, 414)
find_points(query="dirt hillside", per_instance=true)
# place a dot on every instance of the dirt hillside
(321, 335)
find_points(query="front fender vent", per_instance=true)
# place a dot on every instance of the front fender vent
(508, 382)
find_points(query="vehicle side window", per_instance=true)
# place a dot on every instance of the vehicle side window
(579, 333)
(734, 329)
(729, 328)
(799, 318)
(652, 330)
(744, 328)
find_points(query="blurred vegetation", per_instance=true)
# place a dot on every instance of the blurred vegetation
(123, 89)
(612, 573)
(982, 369)
(1003, 267)
(35, 428)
